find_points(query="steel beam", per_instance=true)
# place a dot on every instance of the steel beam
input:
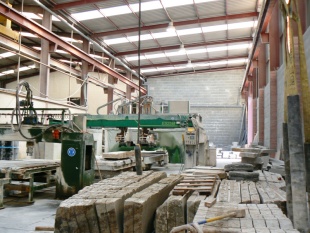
(263, 22)
(75, 4)
(176, 24)
(245, 39)
(198, 71)
(193, 61)
(50, 36)
(31, 53)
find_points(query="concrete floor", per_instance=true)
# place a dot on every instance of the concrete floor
(18, 216)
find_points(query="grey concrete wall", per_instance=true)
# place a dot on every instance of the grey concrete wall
(214, 95)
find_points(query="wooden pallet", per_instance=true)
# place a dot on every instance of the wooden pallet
(201, 184)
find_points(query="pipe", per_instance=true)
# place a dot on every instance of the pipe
(91, 40)
(102, 106)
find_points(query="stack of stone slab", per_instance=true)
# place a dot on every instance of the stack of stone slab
(171, 213)
(139, 210)
(257, 156)
(100, 207)
(181, 209)
(113, 163)
(270, 190)
(206, 170)
(241, 171)
(259, 218)
(237, 192)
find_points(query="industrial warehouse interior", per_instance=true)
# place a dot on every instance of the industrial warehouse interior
(164, 116)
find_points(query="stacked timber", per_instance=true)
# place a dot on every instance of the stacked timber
(100, 207)
(206, 171)
(201, 183)
(258, 218)
(139, 210)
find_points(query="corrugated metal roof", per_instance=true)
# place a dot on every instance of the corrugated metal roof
(190, 16)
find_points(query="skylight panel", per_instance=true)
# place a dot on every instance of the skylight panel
(234, 61)
(200, 64)
(189, 31)
(217, 63)
(183, 32)
(248, 24)
(28, 34)
(8, 72)
(170, 3)
(190, 52)
(143, 37)
(31, 15)
(24, 68)
(87, 15)
(120, 40)
(159, 35)
(175, 3)
(7, 54)
(119, 10)
(196, 51)
(146, 6)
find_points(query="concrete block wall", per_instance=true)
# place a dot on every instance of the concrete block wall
(267, 115)
(214, 95)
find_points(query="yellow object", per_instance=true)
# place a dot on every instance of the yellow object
(5, 26)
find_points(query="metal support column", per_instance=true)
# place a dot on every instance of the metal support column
(86, 49)
(110, 89)
(45, 57)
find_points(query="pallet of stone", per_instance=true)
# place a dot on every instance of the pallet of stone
(258, 218)
(269, 193)
(100, 206)
(139, 210)
(243, 175)
(201, 184)
(114, 165)
(118, 155)
(239, 167)
(274, 178)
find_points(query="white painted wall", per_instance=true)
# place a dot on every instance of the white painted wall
(60, 88)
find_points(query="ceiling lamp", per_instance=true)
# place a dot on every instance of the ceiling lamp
(189, 64)
(182, 49)
(170, 27)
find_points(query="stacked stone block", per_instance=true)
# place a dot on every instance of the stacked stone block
(139, 210)
(100, 207)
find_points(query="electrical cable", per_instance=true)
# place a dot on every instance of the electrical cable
(30, 110)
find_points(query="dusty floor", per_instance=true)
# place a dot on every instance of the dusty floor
(18, 216)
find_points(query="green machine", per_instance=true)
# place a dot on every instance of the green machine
(77, 164)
